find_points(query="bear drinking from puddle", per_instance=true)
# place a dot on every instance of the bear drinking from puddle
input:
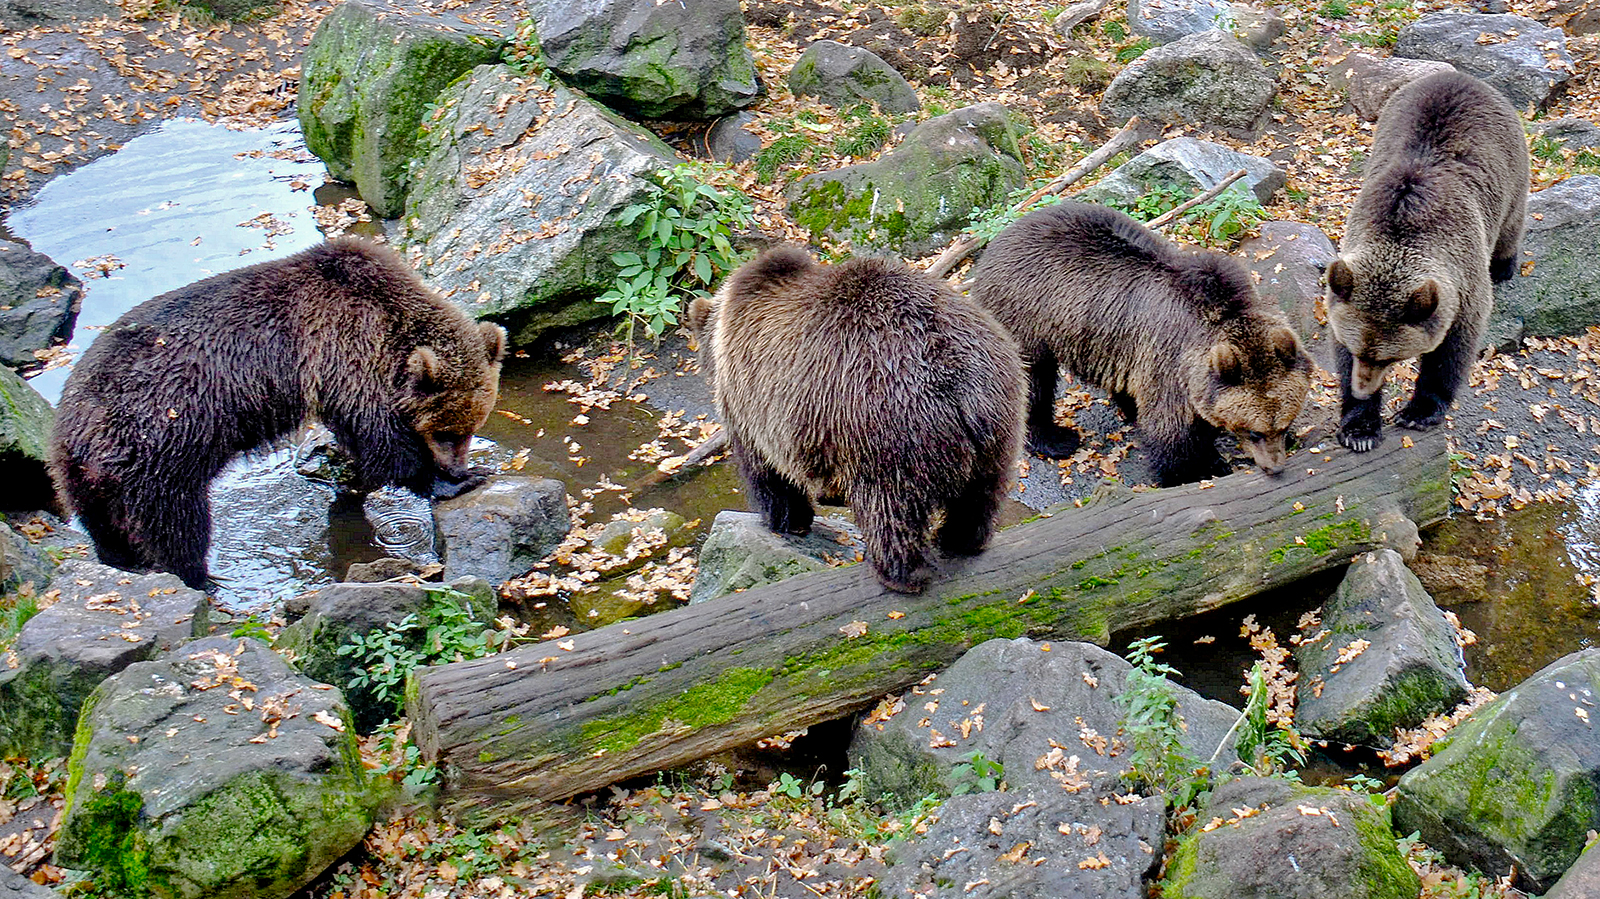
(344, 333)
(1439, 218)
(1178, 338)
(865, 383)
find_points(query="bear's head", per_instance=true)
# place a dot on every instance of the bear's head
(1385, 310)
(451, 387)
(1252, 383)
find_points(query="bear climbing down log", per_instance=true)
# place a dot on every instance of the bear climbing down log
(1439, 218)
(344, 333)
(1177, 336)
(866, 383)
(545, 722)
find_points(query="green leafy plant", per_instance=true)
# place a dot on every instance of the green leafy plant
(1152, 203)
(1335, 9)
(444, 631)
(1266, 748)
(255, 628)
(1361, 783)
(795, 788)
(1229, 215)
(15, 610)
(867, 134)
(399, 759)
(522, 54)
(977, 774)
(686, 228)
(1115, 29)
(786, 150)
(1134, 50)
(1157, 763)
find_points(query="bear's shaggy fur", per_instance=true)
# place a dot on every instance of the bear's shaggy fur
(1178, 338)
(1439, 218)
(344, 333)
(866, 383)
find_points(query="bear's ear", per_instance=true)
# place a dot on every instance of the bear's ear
(1286, 344)
(423, 369)
(1422, 303)
(494, 341)
(1227, 363)
(1341, 279)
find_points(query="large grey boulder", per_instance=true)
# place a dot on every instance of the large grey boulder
(1389, 658)
(740, 552)
(841, 75)
(1032, 843)
(1165, 21)
(335, 614)
(104, 621)
(1045, 711)
(1258, 27)
(1370, 80)
(1524, 60)
(1560, 294)
(501, 529)
(21, 563)
(1517, 784)
(20, 15)
(1264, 838)
(679, 60)
(213, 772)
(509, 214)
(369, 76)
(1569, 131)
(1288, 259)
(25, 422)
(1188, 166)
(916, 197)
(39, 302)
(1208, 79)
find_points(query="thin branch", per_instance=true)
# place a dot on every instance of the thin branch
(1172, 215)
(1136, 132)
(672, 467)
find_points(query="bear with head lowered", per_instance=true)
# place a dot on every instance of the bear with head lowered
(1439, 218)
(344, 333)
(1178, 338)
(865, 383)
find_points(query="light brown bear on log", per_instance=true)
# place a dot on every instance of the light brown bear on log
(344, 333)
(1178, 337)
(1439, 218)
(866, 383)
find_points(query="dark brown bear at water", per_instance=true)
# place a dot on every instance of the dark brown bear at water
(870, 384)
(1178, 337)
(1439, 219)
(344, 333)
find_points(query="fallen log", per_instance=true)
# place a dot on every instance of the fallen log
(551, 720)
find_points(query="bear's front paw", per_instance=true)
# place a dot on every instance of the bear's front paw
(1360, 437)
(446, 486)
(1420, 415)
(913, 581)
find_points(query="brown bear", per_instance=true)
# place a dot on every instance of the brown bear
(865, 383)
(1439, 218)
(344, 333)
(1179, 338)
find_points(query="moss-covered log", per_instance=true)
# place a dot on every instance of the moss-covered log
(555, 719)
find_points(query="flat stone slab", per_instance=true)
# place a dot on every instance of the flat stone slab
(104, 621)
(1557, 289)
(1188, 166)
(1526, 61)
(740, 552)
(501, 529)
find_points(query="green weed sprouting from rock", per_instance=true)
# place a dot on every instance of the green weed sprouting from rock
(1157, 763)
(686, 228)
(867, 133)
(387, 656)
(1134, 50)
(1229, 215)
(1267, 749)
(789, 149)
(522, 53)
(978, 774)
(15, 610)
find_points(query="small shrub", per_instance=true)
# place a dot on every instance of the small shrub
(1085, 72)
(1335, 9)
(1157, 763)
(867, 135)
(1134, 50)
(977, 774)
(448, 633)
(787, 150)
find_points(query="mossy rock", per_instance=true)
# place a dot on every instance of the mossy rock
(1517, 784)
(1296, 842)
(920, 195)
(214, 772)
(367, 81)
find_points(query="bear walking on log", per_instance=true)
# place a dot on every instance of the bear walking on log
(1179, 339)
(344, 333)
(867, 383)
(1439, 218)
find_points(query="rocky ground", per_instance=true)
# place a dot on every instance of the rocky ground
(785, 821)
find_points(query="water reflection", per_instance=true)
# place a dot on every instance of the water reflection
(178, 204)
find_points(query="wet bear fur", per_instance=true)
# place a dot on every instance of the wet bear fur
(1178, 337)
(1439, 218)
(869, 384)
(344, 333)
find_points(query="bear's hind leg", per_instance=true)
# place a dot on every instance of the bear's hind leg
(1360, 421)
(173, 532)
(1439, 375)
(1508, 244)
(969, 517)
(894, 518)
(1045, 437)
(112, 544)
(784, 507)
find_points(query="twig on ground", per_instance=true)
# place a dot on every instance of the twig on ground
(675, 465)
